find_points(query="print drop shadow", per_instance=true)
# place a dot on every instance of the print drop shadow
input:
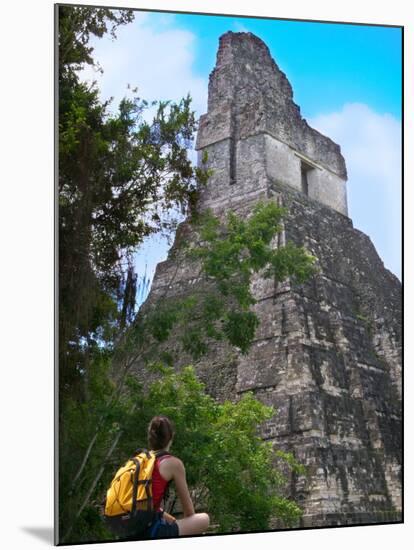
(42, 533)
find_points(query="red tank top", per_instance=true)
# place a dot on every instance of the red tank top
(159, 484)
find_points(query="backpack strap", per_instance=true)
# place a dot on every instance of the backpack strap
(135, 485)
(136, 481)
(140, 451)
(159, 454)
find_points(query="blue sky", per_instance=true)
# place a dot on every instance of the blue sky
(346, 79)
(346, 63)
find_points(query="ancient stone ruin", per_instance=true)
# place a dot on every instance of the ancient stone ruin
(327, 354)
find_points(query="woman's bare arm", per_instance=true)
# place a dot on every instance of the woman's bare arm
(173, 468)
(182, 488)
(191, 523)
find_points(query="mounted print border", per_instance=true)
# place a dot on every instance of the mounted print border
(229, 350)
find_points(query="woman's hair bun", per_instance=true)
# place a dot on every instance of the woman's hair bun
(160, 432)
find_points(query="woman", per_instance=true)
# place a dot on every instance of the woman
(170, 468)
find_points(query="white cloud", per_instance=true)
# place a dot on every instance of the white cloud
(371, 145)
(158, 60)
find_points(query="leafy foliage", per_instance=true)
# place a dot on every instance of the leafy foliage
(228, 255)
(229, 468)
(226, 460)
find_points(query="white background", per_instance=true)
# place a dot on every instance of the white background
(27, 272)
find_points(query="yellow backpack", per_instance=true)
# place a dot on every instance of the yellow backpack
(128, 504)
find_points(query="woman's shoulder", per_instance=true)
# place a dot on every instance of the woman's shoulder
(170, 459)
(171, 463)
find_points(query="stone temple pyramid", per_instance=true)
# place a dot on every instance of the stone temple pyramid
(327, 354)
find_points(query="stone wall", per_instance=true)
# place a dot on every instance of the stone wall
(284, 166)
